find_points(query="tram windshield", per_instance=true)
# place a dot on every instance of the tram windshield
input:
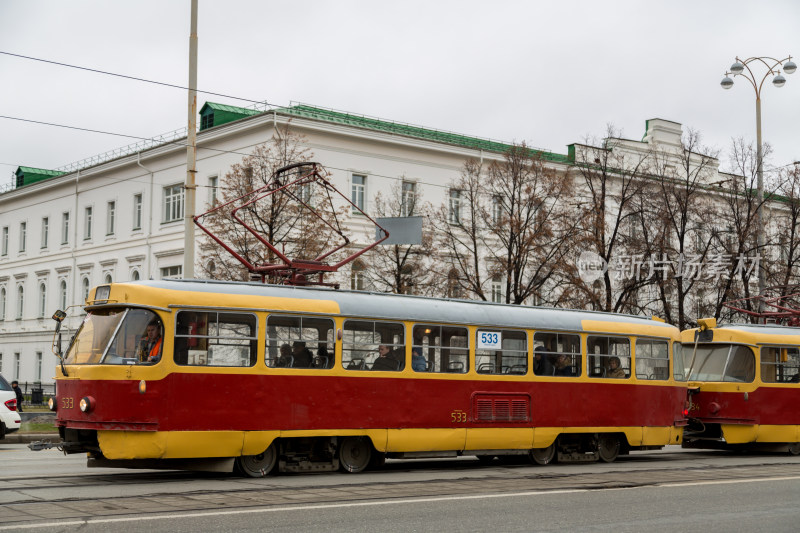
(722, 362)
(116, 336)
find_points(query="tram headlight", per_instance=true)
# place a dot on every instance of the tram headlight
(52, 404)
(87, 404)
(142, 387)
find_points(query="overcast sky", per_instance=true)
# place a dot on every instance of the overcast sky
(548, 73)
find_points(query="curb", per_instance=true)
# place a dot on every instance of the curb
(25, 438)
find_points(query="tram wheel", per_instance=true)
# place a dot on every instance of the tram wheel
(794, 448)
(257, 465)
(608, 447)
(543, 456)
(354, 454)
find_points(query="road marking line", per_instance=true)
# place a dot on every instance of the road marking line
(376, 503)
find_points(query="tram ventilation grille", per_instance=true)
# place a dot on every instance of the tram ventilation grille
(502, 408)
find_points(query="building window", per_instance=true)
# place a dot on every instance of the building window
(85, 288)
(454, 207)
(65, 228)
(87, 223)
(453, 285)
(111, 215)
(107, 279)
(172, 272)
(16, 365)
(2, 303)
(62, 295)
(42, 299)
(357, 277)
(137, 211)
(357, 195)
(173, 203)
(135, 275)
(408, 199)
(5, 240)
(38, 366)
(213, 183)
(23, 235)
(45, 231)
(497, 209)
(497, 289)
(20, 301)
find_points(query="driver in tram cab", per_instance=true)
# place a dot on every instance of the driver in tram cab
(150, 349)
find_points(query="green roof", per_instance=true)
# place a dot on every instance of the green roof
(213, 114)
(225, 113)
(409, 130)
(229, 109)
(29, 175)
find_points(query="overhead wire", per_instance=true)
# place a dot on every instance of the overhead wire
(171, 85)
(135, 78)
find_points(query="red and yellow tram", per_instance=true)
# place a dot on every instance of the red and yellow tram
(260, 377)
(744, 386)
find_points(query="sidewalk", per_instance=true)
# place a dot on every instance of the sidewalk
(25, 438)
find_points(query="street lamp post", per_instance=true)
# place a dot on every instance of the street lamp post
(742, 68)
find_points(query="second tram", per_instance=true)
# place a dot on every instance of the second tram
(743, 386)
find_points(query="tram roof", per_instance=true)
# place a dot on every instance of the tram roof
(762, 329)
(416, 308)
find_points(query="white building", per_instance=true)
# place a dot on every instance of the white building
(122, 219)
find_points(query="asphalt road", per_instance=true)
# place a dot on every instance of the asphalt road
(657, 491)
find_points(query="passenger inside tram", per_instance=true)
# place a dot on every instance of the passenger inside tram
(151, 343)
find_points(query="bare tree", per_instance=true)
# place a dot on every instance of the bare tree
(460, 231)
(683, 208)
(737, 250)
(783, 270)
(402, 268)
(530, 225)
(281, 218)
(610, 182)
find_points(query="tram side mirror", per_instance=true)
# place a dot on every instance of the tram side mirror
(59, 317)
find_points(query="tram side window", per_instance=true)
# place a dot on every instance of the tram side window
(510, 358)
(559, 354)
(609, 357)
(444, 348)
(370, 345)
(652, 359)
(300, 342)
(741, 365)
(210, 338)
(678, 362)
(780, 364)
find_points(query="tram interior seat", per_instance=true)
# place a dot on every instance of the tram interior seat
(356, 364)
(486, 368)
(455, 366)
(518, 370)
(320, 361)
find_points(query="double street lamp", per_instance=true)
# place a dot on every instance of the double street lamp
(742, 68)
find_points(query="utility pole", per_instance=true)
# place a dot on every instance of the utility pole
(191, 153)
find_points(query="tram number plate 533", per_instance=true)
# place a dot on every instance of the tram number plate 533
(67, 403)
(458, 416)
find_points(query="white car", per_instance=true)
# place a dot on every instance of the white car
(9, 417)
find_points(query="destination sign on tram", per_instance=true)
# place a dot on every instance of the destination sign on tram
(489, 340)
